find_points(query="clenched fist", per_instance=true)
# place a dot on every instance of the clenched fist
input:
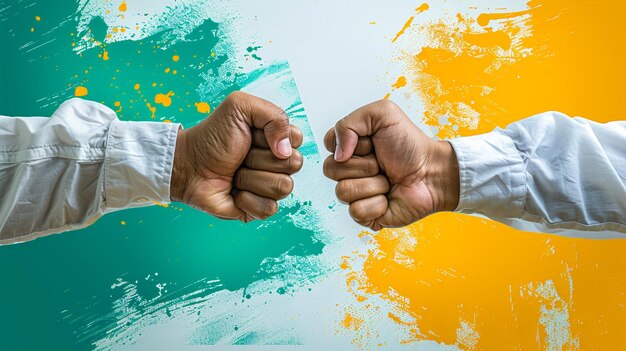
(237, 163)
(387, 169)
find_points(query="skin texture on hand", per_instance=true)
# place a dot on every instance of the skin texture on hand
(388, 171)
(237, 163)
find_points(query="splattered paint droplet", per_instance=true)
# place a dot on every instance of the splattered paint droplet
(399, 83)
(105, 55)
(123, 7)
(164, 99)
(175, 58)
(203, 107)
(137, 86)
(80, 91)
(423, 7)
(37, 18)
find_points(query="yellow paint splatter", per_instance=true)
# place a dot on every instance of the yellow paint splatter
(486, 72)
(351, 322)
(80, 91)
(152, 110)
(167, 70)
(123, 222)
(164, 99)
(37, 18)
(123, 7)
(116, 103)
(423, 7)
(407, 24)
(203, 107)
(32, 29)
(105, 55)
(137, 86)
(175, 58)
(399, 83)
(480, 285)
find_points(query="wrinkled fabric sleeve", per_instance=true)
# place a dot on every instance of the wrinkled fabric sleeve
(64, 172)
(550, 169)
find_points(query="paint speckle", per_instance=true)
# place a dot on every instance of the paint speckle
(407, 24)
(203, 107)
(164, 99)
(423, 7)
(123, 7)
(399, 83)
(80, 91)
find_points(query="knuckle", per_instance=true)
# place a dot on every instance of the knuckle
(283, 185)
(295, 162)
(386, 105)
(341, 124)
(269, 209)
(284, 117)
(235, 97)
(296, 134)
(329, 140)
(357, 211)
(342, 191)
(283, 120)
(329, 167)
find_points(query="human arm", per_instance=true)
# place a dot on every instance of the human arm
(562, 172)
(64, 172)
(551, 169)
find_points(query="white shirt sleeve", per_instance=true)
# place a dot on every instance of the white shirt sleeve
(64, 172)
(550, 169)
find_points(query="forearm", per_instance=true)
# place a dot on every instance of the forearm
(64, 172)
(550, 169)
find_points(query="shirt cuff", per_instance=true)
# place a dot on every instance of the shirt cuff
(138, 163)
(492, 175)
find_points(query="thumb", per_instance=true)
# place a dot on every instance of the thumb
(262, 114)
(363, 122)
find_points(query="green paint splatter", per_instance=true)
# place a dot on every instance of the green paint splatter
(68, 287)
(250, 49)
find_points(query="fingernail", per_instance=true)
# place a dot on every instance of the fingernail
(338, 153)
(284, 147)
